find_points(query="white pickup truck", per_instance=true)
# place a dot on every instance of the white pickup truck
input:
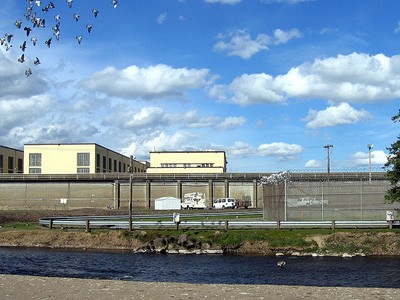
(194, 200)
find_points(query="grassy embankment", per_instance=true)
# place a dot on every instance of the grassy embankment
(371, 241)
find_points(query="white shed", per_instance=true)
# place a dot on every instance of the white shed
(166, 203)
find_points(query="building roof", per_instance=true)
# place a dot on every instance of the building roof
(14, 149)
(188, 151)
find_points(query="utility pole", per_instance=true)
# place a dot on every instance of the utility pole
(370, 146)
(130, 192)
(328, 147)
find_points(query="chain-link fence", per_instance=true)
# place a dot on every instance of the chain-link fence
(326, 200)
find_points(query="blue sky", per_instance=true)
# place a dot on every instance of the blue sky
(271, 82)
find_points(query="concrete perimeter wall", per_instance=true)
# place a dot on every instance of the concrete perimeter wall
(357, 199)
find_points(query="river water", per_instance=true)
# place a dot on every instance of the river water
(223, 269)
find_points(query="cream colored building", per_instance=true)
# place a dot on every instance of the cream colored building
(11, 160)
(187, 162)
(76, 158)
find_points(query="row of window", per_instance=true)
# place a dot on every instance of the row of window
(187, 165)
(83, 164)
(113, 165)
(10, 165)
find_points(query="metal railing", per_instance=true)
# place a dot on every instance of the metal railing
(185, 177)
(97, 222)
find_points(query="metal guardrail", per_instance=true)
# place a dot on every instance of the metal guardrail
(124, 224)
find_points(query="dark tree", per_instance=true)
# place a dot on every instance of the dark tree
(393, 168)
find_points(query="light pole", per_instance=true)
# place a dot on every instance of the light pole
(370, 146)
(130, 192)
(328, 147)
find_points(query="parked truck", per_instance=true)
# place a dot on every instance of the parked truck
(242, 203)
(194, 200)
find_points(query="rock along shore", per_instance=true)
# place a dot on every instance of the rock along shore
(334, 244)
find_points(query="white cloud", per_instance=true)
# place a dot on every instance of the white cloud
(353, 78)
(192, 120)
(154, 82)
(160, 141)
(282, 37)
(360, 158)
(231, 123)
(285, 1)
(230, 2)
(345, 78)
(22, 111)
(312, 163)
(240, 149)
(281, 150)
(161, 18)
(146, 116)
(397, 30)
(248, 89)
(341, 114)
(13, 81)
(240, 43)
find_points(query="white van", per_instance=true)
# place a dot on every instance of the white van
(223, 203)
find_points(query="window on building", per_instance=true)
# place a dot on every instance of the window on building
(35, 159)
(1, 163)
(119, 167)
(83, 170)
(115, 165)
(124, 166)
(10, 164)
(35, 170)
(104, 164)
(207, 165)
(109, 165)
(20, 165)
(83, 159)
(35, 163)
(98, 163)
(164, 165)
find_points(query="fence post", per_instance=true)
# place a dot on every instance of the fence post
(390, 224)
(51, 224)
(278, 224)
(226, 225)
(333, 225)
(87, 225)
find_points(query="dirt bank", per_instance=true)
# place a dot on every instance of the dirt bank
(335, 243)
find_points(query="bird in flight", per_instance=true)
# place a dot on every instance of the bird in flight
(28, 72)
(34, 19)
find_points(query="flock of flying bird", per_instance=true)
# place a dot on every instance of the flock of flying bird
(33, 14)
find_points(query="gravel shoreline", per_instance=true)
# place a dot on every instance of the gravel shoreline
(34, 287)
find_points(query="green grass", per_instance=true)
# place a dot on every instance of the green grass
(21, 226)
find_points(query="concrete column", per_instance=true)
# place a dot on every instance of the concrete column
(148, 194)
(255, 195)
(210, 193)
(117, 195)
(179, 189)
(226, 188)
